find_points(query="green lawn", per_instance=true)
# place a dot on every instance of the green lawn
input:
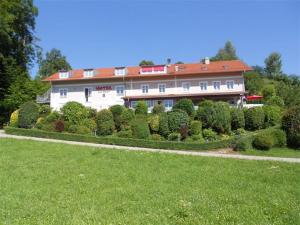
(275, 152)
(47, 183)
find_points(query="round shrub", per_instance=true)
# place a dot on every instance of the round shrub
(14, 119)
(44, 110)
(79, 129)
(222, 118)
(52, 117)
(91, 112)
(141, 108)
(140, 128)
(195, 127)
(242, 144)
(291, 126)
(105, 122)
(126, 117)
(254, 118)
(156, 137)
(279, 138)
(154, 123)
(59, 125)
(239, 131)
(39, 123)
(263, 141)
(174, 137)
(117, 110)
(185, 105)
(28, 114)
(272, 115)
(125, 134)
(74, 112)
(198, 138)
(237, 119)
(176, 119)
(206, 113)
(209, 134)
(158, 108)
(275, 101)
(163, 125)
(89, 123)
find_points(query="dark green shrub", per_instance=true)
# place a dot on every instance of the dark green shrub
(209, 134)
(279, 138)
(44, 110)
(174, 137)
(237, 119)
(206, 113)
(154, 122)
(28, 115)
(105, 122)
(263, 141)
(239, 131)
(117, 110)
(52, 117)
(158, 108)
(79, 129)
(242, 144)
(163, 125)
(90, 124)
(125, 134)
(91, 112)
(272, 115)
(156, 137)
(141, 108)
(291, 126)
(74, 112)
(222, 118)
(126, 117)
(59, 125)
(176, 119)
(198, 138)
(275, 101)
(195, 127)
(185, 105)
(268, 91)
(140, 128)
(48, 127)
(254, 118)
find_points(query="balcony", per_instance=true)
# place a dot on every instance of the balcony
(45, 98)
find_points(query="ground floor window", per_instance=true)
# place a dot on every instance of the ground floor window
(168, 104)
(87, 93)
(63, 92)
(120, 90)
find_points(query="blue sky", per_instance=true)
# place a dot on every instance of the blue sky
(99, 33)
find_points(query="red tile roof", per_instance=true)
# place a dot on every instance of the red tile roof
(173, 69)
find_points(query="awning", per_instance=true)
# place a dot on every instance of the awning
(253, 97)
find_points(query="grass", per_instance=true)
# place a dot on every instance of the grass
(49, 183)
(275, 152)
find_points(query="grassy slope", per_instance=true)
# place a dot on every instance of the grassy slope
(47, 183)
(275, 152)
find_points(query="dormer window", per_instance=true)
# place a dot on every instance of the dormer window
(88, 73)
(63, 74)
(120, 71)
(158, 69)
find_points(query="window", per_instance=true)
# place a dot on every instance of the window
(162, 88)
(145, 89)
(63, 92)
(64, 74)
(230, 84)
(87, 93)
(153, 69)
(203, 86)
(150, 103)
(88, 73)
(120, 71)
(186, 86)
(133, 104)
(120, 90)
(168, 104)
(217, 85)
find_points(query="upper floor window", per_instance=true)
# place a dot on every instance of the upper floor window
(186, 86)
(217, 85)
(120, 90)
(153, 69)
(120, 71)
(145, 88)
(87, 93)
(88, 73)
(63, 74)
(63, 92)
(203, 86)
(230, 84)
(162, 88)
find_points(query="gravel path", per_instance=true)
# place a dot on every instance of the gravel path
(207, 154)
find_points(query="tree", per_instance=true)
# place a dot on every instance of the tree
(146, 63)
(53, 62)
(226, 53)
(273, 65)
(253, 83)
(186, 105)
(179, 62)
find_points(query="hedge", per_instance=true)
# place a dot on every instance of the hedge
(121, 141)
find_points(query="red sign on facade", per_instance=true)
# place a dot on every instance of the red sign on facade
(104, 88)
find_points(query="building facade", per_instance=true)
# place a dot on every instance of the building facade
(164, 84)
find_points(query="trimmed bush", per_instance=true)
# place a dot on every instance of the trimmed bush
(195, 127)
(126, 117)
(44, 110)
(272, 115)
(154, 123)
(105, 122)
(254, 118)
(206, 113)
(279, 138)
(156, 137)
(263, 141)
(237, 119)
(14, 119)
(90, 124)
(176, 119)
(239, 131)
(74, 112)
(79, 129)
(125, 134)
(52, 117)
(185, 105)
(140, 128)
(209, 134)
(158, 108)
(141, 108)
(28, 114)
(91, 112)
(59, 125)
(222, 118)
(242, 144)
(163, 125)
(117, 110)
(291, 126)
(198, 137)
(174, 137)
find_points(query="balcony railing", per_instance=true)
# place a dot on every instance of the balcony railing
(45, 98)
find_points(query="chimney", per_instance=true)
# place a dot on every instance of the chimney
(206, 60)
(176, 68)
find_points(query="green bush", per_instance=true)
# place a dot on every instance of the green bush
(195, 127)
(237, 119)
(14, 119)
(117, 110)
(156, 137)
(254, 118)
(239, 131)
(91, 112)
(141, 108)
(275, 101)
(184, 131)
(185, 105)
(105, 122)
(209, 134)
(125, 134)
(28, 114)
(140, 128)
(52, 117)
(74, 112)
(126, 117)
(154, 123)
(291, 126)
(174, 137)
(158, 108)
(263, 141)
(272, 115)
(48, 127)
(44, 110)
(198, 137)
(163, 125)
(39, 123)
(206, 113)
(242, 143)
(90, 124)
(176, 119)
(222, 118)
(279, 138)
(268, 91)
(79, 129)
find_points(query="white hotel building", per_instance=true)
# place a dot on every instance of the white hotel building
(103, 87)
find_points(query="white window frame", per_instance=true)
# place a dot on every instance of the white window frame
(64, 75)
(165, 87)
(90, 91)
(189, 86)
(120, 86)
(231, 87)
(219, 82)
(142, 88)
(169, 106)
(120, 71)
(206, 85)
(88, 73)
(64, 95)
